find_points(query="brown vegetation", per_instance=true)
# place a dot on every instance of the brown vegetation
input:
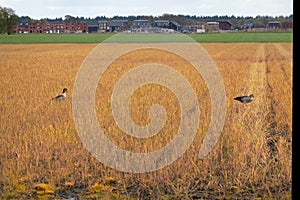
(42, 155)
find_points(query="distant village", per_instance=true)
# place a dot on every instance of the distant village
(141, 26)
(11, 23)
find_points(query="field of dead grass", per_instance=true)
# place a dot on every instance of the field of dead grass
(43, 157)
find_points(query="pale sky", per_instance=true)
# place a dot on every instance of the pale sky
(37, 9)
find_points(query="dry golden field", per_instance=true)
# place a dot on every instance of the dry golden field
(41, 155)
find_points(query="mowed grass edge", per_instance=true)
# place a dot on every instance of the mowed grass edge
(229, 37)
(53, 38)
(244, 37)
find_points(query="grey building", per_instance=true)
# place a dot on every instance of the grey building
(118, 25)
(103, 26)
(174, 25)
(167, 24)
(161, 23)
(141, 23)
(93, 26)
(273, 25)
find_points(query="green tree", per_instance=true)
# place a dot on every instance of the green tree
(8, 20)
(69, 18)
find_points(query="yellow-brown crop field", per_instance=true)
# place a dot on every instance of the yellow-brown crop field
(41, 154)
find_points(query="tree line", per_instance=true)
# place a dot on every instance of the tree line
(9, 19)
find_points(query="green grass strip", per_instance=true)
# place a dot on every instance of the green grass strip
(230, 37)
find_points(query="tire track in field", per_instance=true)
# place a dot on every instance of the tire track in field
(286, 54)
(258, 73)
(257, 86)
(264, 104)
(283, 51)
(252, 116)
(271, 119)
(275, 128)
(255, 83)
(226, 48)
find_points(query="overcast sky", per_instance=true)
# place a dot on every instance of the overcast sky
(37, 9)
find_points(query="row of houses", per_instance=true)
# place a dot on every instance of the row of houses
(158, 26)
(96, 26)
(210, 27)
(52, 27)
(119, 26)
(277, 25)
(205, 27)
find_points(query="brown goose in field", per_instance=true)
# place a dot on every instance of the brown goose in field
(245, 99)
(61, 96)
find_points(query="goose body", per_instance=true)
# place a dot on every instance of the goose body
(245, 99)
(61, 96)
